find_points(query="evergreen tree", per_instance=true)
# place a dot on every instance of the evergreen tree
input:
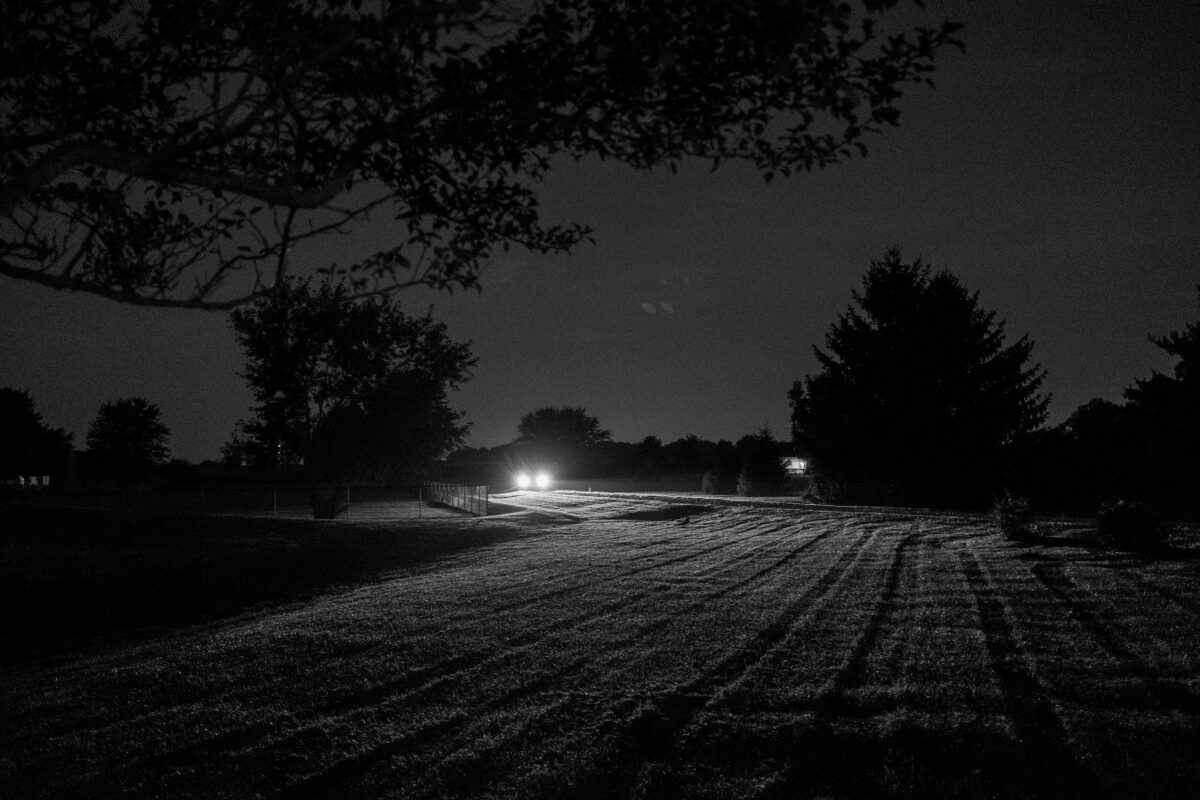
(1165, 411)
(761, 471)
(919, 399)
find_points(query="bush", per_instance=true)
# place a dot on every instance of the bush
(715, 482)
(1130, 526)
(327, 502)
(752, 484)
(1015, 518)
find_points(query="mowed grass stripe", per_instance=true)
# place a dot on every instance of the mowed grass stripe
(800, 674)
(614, 660)
(931, 658)
(681, 550)
(654, 725)
(435, 723)
(411, 680)
(1053, 766)
(599, 555)
(528, 635)
(1166, 633)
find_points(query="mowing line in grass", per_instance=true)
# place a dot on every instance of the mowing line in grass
(442, 671)
(1085, 611)
(1054, 769)
(471, 753)
(656, 725)
(490, 664)
(851, 675)
(688, 555)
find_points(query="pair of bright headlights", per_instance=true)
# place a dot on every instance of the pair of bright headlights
(541, 481)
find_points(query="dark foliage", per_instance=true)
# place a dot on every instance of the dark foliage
(346, 388)
(919, 400)
(650, 458)
(561, 439)
(571, 427)
(27, 445)
(71, 579)
(1130, 525)
(1015, 519)
(761, 471)
(172, 152)
(125, 442)
(718, 482)
(1147, 448)
(691, 454)
(1165, 411)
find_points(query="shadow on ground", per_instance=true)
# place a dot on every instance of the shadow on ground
(71, 579)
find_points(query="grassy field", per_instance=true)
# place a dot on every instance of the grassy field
(594, 646)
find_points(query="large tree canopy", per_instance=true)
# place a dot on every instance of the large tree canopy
(918, 399)
(564, 426)
(347, 388)
(125, 441)
(175, 152)
(561, 438)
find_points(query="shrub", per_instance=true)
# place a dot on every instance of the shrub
(327, 502)
(716, 482)
(754, 484)
(1130, 526)
(1015, 518)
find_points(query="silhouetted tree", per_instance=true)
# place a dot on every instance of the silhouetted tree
(346, 387)
(559, 438)
(173, 152)
(919, 399)
(126, 441)
(563, 425)
(1165, 410)
(650, 460)
(29, 447)
(1094, 456)
(689, 454)
(761, 471)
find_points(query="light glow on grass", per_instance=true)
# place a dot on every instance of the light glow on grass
(888, 632)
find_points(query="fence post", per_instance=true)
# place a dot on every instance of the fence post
(274, 502)
(420, 499)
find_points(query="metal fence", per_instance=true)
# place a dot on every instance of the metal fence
(472, 498)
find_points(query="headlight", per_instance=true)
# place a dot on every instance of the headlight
(522, 481)
(543, 481)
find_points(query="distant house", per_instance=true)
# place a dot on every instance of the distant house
(794, 465)
(27, 481)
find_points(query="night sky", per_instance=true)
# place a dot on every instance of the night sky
(1055, 169)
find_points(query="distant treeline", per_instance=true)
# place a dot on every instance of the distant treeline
(722, 461)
